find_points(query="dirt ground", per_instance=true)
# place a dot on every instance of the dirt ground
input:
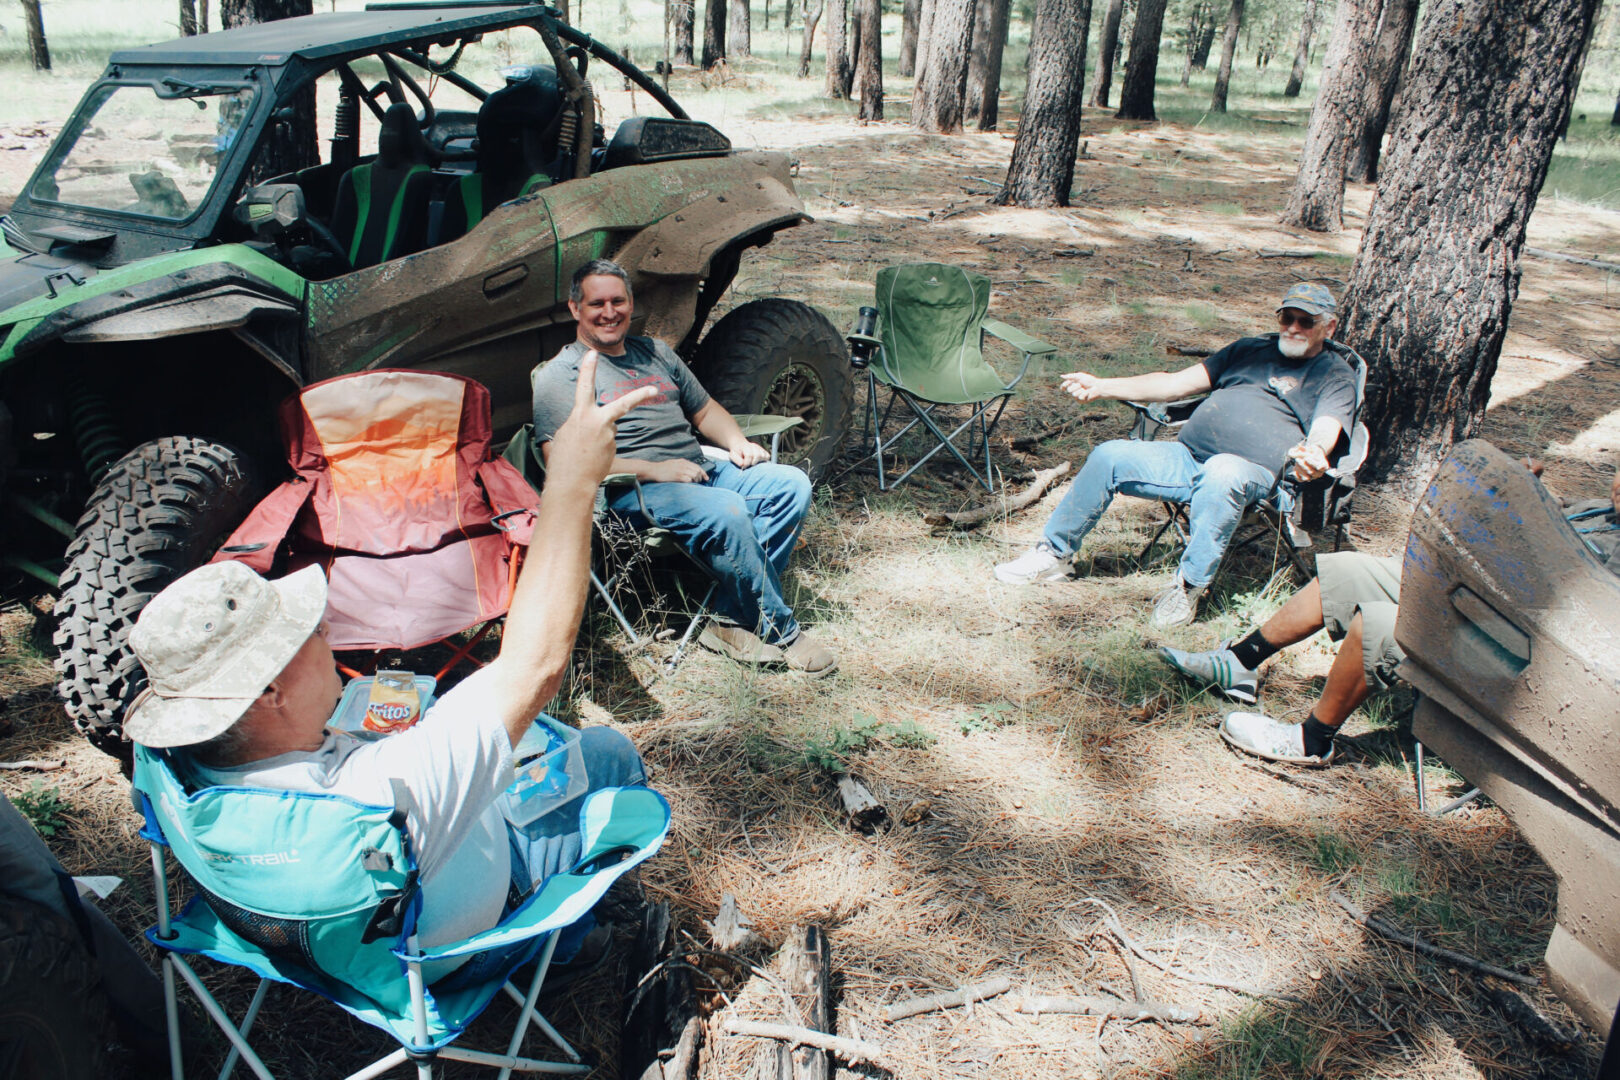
(1034, 752)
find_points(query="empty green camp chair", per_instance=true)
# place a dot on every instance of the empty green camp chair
(928, 350)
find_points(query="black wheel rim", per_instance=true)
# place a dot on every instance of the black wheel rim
(797, 391)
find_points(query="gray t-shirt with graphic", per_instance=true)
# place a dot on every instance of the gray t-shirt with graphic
(1263, 403)
(656, 430)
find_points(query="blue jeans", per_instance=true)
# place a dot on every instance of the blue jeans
(1216, 492)
(741, 526)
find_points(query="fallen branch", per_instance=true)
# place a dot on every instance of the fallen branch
(1542, 253)
(1220, 984)
(1527, 1016)
(1160, 1011)
(949, 999)
(862, 810)
(35, 766)
(1384, 929)
(1278, 253)
(1003, 505)
(1074, 253)
(853, 1051)
(1189, 350)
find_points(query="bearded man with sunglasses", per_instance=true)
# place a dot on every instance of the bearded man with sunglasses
(1275, 401)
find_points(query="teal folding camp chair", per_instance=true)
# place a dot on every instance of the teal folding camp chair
(929, 351)
(320, 892)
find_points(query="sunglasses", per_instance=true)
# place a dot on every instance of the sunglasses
(1301, 320)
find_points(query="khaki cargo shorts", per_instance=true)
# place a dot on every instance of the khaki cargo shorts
(1352, 582)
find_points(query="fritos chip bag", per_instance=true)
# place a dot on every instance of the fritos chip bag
(394, 704)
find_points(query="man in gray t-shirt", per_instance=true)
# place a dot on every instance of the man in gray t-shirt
(739, 517)
(1276, 401)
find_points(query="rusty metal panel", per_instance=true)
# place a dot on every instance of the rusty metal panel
(1512, 635)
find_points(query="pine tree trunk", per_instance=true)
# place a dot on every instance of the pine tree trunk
(290, 144)
(188, 18)
(1317, 199)
(1194, 23)
(910, 13)
(1302, 55)
(937, 105)
(684, 18)
(925, 33)
(202, 16)
(1206, 42)
(1136, 92)
(1389, 63)
(1223, 77)
(739, 34)
(869, 70)
(38, 51)
(812, 16)
(840, 77)
(1614, 121)
(1434, 283)
(1107, 46)
(984, 65)
(714, 33)
(1042, 169)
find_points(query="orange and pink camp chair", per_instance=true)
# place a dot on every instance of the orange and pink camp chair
(419, 528)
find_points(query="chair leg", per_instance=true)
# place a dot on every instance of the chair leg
(217, 1015)
(248, 1017)
(528, 1012)
(691, 628)
(171, 1012)
(424, 1071)
(613, 609)
(1421, 794)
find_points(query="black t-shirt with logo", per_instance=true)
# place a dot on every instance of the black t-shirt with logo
(1263, 403)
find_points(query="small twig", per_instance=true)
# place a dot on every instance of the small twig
(851, 1050)
(1221, 984)
(793, 1010)
(1384, 929)
(35, 766)
(1277, 253)
(1130, 969)
(1405, 1050)
(1163, 1012)
(948, 999)
(1003, 505)
(1541, 253)
(1458, 803)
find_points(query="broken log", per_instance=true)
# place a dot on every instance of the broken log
(1160, 1011)
(805, 961)
(656, 1015)
(1189, 350)
(683, 1063)
(1384, 929)
(1003, 505)
(948, 999)
(862, 809)
(1278, 253)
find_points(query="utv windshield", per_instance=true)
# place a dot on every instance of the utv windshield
(152, 150)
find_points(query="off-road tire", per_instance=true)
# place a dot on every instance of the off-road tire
(162, 509)
(783, 357)
(53, 1013)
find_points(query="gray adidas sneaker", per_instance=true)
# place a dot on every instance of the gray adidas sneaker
(1177, 605)
(1039, 565)
(1218, 668)
(1260, 735)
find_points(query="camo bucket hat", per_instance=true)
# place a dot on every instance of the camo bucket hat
(211, 642)
(1311, 298)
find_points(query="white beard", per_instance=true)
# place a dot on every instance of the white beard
(1292, 349)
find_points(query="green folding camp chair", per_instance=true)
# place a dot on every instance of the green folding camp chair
(928, 350)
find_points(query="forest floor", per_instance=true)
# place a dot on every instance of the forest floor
(1033, 750)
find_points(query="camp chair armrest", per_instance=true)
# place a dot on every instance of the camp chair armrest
(759, 425)
(620, 479)
(1015, 337)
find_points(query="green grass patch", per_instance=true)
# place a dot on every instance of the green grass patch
(1332, 853)
(1259, 1042)
(864, 731)
(1225, 209)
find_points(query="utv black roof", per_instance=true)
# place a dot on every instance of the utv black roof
(314, 38)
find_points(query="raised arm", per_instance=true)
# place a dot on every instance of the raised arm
(1154, 386)
(550, 596)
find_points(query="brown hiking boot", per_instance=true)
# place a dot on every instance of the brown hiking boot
(739, 644)
(808, 657)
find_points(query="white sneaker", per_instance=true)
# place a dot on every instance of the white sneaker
(1177, 605)
(1260, 735)
(1037, 566)
(1218, 668)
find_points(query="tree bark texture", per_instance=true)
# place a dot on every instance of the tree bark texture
(840, 76)
(1206, 42)
(1136, 92)
(1390, 55)
(38, 51)
(1614, 121)
(984, 63)
(290, 144)
(739, 32)
(937, 104)
(925, 30)
(1107, 46)
(202, 16)
(1197, 15)
(1317, 199)
(910, 13)
(1042, 168)
(714, 33)
(1223, 77)
(188, 18)
(1438, 271)
(869, 69)
(812, 16)
(1302, 55)
(683, 16)
(562, 9)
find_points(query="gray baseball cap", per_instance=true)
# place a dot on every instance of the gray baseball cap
(1311, 298)
(211, 642)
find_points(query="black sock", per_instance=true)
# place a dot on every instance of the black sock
(1253, 650)
(1318, 736)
